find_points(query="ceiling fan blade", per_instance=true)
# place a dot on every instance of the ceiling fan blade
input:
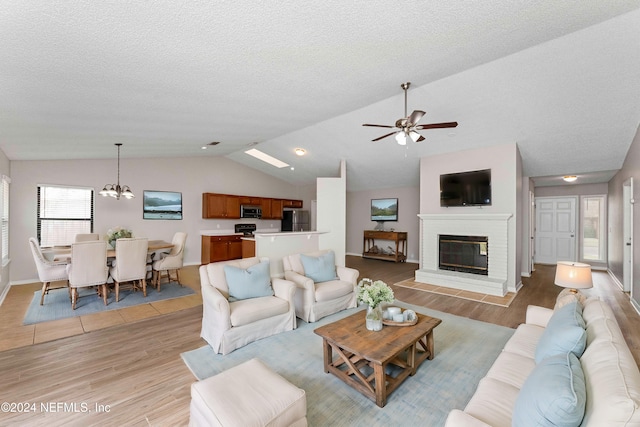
(422, 138)
(383, 136)
(415, 117)
(379, 126)
(438, 125)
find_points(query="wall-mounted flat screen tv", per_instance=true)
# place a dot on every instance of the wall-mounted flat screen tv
(384, 210)
(466, 188)
(161, 205)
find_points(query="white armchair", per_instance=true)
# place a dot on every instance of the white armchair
(315, 300)
(48, 271)
(171, 261)
(228, 324)
(88, 268)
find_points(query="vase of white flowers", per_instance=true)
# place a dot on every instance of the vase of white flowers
(117, 233)
(374, 293)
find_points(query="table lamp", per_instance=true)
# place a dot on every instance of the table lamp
(573, 275)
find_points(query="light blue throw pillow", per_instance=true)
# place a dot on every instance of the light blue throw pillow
(554, 394)
(319, 269)
(564, 333)
(253, 282)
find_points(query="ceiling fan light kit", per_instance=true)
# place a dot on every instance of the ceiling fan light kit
(569, 178)
(408, 125)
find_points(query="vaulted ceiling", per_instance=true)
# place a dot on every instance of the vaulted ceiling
(168, 77)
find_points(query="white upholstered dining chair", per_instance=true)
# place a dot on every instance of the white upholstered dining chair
(48, 271)
(171, 261)
(88, 268)
(86, 237)
(130, 264)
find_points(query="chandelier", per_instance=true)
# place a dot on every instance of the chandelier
(115, 190)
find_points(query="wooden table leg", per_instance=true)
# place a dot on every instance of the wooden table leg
(430, 345)
(381, 385)
(328, 355)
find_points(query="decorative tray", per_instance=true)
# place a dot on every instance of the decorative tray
(407, 323)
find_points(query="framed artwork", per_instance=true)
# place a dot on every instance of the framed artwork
(161, 205)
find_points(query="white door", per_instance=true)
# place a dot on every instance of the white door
(627, 231)
(555, 233)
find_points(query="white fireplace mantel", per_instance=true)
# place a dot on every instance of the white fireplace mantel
(494, 226)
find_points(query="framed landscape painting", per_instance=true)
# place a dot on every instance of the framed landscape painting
(161, 205)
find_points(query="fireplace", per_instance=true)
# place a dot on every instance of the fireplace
(499, 259)
(467, 254)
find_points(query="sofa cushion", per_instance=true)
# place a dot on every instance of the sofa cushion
(511, 368)
(321, 268)
(253, 282)
(327, 291)
(553, 395)
(252, 310)
(524, 340)
(564, 333)
(493, 402)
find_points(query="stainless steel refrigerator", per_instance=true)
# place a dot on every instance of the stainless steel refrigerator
(295, 220)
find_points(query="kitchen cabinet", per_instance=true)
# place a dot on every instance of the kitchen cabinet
(220, 206)
(249, 200)
(276, 208)
(296, 204)
(220, 248)
(265, 204)
(248, 248)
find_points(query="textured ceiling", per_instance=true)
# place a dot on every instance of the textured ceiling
(166, 77)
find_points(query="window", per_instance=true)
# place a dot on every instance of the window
(63, 212)
(5, 219)
(593, 228)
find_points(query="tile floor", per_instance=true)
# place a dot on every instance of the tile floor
(14, 334)
(473, 296)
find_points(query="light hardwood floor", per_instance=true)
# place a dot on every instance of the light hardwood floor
(131, 374)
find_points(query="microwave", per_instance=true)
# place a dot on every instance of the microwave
(250, 211)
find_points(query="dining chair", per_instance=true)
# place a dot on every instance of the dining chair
(171, 261)
(48, 271)
(88, 268)
(86, 237)
(130, 264)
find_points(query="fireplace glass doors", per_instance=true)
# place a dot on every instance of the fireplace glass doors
(467, 254)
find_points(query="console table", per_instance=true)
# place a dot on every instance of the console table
(371, 250)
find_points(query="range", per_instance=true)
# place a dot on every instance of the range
(245, 229)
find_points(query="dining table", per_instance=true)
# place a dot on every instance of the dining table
(63, 253)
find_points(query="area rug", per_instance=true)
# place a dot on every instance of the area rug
(58, 306)
(504, 301)
(464, 351)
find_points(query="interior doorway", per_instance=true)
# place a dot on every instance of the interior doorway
(555, 233)
(627, 236)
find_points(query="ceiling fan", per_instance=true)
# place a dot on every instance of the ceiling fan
(408, 125)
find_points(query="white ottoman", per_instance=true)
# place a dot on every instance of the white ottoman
(247, 395)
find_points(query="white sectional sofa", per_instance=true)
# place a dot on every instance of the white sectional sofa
(515, 386)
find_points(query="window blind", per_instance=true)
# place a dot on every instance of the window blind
(5, 219)
(63, 212)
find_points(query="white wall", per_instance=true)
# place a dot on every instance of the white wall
(191, 176)
(332, 213)
(359, 217)
(506, 197)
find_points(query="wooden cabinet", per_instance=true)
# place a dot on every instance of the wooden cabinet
(249, 200)
(276, 208)
(376, 245)
(248, 248)
(265, 204)
(297, 204)
(220, 206)
(220, 248)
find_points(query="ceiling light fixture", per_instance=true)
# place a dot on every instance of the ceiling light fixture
(401, 138)
(569, 178)
(300, 151)
(266, 158)
(115, 190)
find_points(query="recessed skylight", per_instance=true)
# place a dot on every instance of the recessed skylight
(266, 158)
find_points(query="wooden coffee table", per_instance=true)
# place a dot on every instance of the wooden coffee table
(363, 356)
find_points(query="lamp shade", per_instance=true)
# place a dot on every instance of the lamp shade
(574, 275)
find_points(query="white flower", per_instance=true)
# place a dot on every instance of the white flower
(118, 233)
(373, 293)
